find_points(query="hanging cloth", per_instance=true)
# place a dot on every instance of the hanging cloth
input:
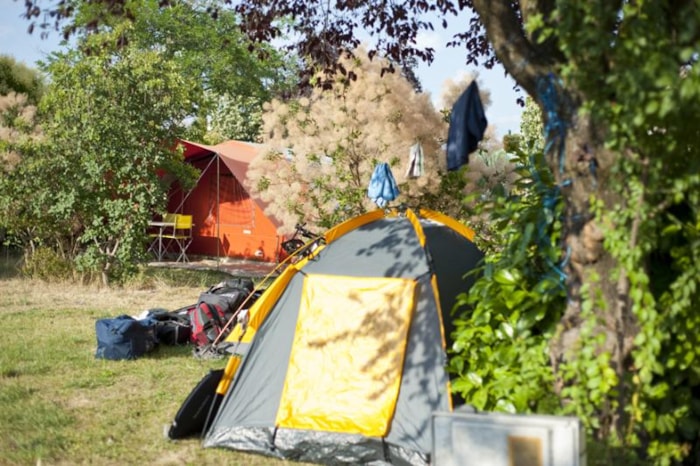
(382, 186)
(415, 161)
(467, 125)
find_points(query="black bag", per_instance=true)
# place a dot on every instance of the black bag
(123, 337)
(231, 284)
(198, 410)
(172, 328)
(231, 293)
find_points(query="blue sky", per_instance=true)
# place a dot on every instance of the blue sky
(503, 112)
(449, 63)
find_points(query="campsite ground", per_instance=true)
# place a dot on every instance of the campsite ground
(236, 268)
(62, 406)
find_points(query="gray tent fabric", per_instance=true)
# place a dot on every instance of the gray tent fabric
(387, 247)
(447, 261)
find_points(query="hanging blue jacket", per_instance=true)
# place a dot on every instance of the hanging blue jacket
(382, 186)
(467, 126)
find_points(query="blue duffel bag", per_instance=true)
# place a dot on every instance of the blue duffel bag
(124, 337)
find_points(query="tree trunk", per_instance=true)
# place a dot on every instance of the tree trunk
(582, 167)
(583, 172)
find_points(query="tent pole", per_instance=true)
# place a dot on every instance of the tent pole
(184, 195)
(218, 210)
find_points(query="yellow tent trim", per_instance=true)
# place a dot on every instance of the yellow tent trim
(416, 226)
(310, 256)
(438, 308)
(227, 377)
(349, 225)
(258, 312)
(449, 221)
(270, 297)
(464, 231)
(345, 368)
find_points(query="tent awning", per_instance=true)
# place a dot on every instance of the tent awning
(235, 154)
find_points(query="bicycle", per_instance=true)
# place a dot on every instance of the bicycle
(296, 247)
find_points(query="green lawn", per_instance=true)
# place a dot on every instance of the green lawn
(61, 406)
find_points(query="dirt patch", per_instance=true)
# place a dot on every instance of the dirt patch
(238, 268)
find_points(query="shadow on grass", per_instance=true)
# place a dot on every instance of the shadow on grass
(10, 260)
(163, 351)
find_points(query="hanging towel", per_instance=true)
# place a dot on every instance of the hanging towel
(467, 126)
(415, 161)
(382, 186)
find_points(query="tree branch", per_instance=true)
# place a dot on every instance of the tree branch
(520, 57)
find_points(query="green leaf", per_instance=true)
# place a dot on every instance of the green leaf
(506, 277)
(507, 329)
(505, 406)
(479, 399)
(475, 379)
(593, 382)
(514, 299)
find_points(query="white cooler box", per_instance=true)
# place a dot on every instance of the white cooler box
(496, 439)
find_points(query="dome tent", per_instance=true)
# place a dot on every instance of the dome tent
(343, 357)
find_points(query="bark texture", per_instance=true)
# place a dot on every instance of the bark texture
(582, 169)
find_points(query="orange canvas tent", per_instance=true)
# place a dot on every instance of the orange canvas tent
(228, 222)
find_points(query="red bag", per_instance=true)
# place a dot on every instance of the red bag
(208, 322)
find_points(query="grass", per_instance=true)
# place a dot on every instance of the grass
(61, 406)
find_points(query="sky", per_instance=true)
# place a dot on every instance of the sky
(449, 64)
(503, 113)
